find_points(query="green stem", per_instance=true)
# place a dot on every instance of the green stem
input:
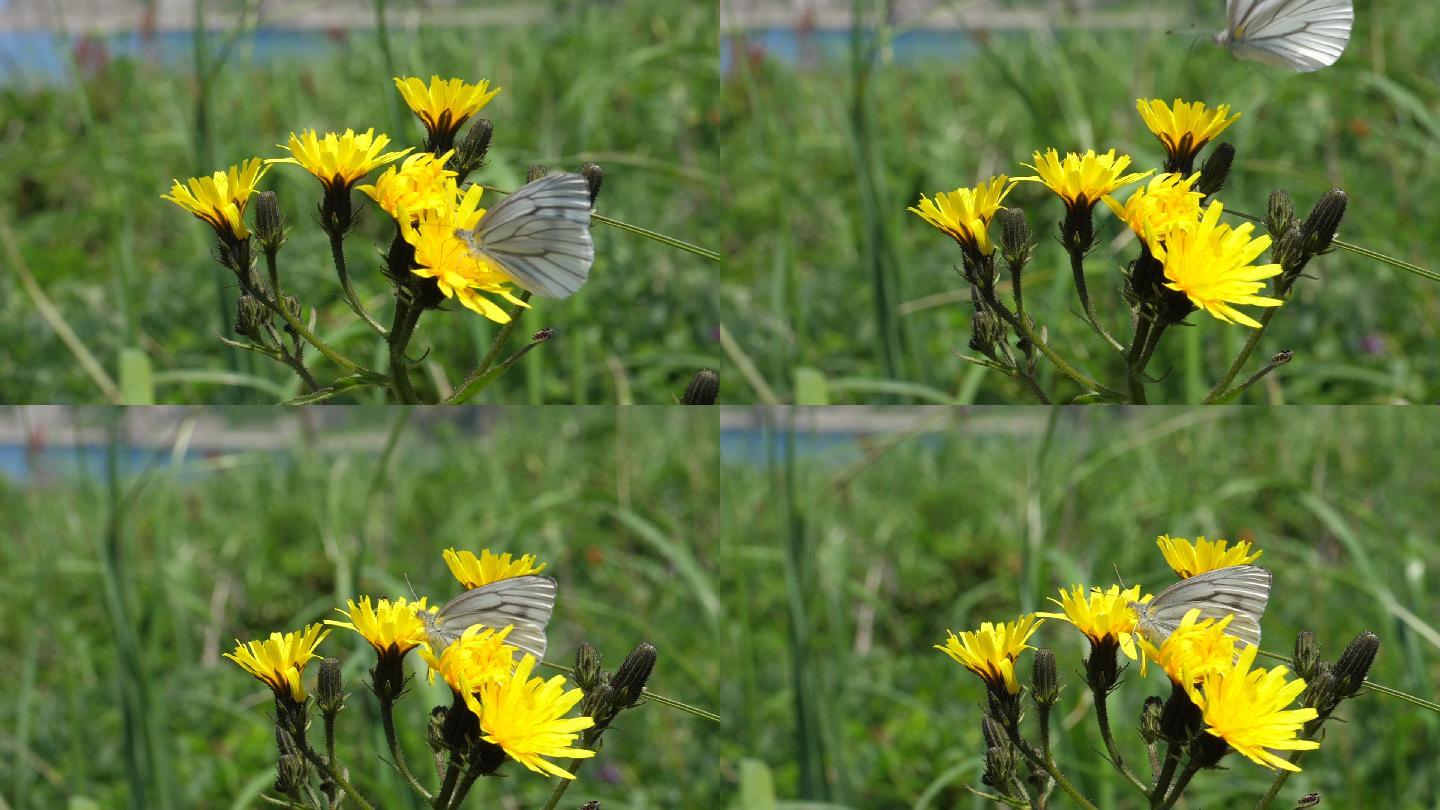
(337, 254)
(1180, 785)
(562, 785)
(1044, 763)
(1102, 718)
(333, 775)
(387, 719)
(1241, 358)
(1167, 772)
(468, 387)
(447, 788)
(1060, 363)
(1077, 269)
(1132, 358)
(275, 305)
(401, 328)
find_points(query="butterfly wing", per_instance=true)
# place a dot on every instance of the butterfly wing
(524, 603)
(1239, 590)
(539, 235)
(1302, 35)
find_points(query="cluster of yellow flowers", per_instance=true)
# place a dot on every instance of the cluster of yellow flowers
(1246, 707)
(422, 195)
(1209, 262)
(522, 713)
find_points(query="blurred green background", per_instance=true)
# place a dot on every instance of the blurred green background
(835, 293)
(117, 695)
(852, 550)
(630, 85)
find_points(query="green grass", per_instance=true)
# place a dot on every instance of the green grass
(849, 565)
(82, 168)
(834, 292)
(118, 696)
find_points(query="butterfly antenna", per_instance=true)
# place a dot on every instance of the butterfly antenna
(1118, 578)
(413, 597)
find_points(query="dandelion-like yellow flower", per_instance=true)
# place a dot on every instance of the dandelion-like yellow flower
(478, 657)
(965, 213)
(1186, 127)
(1211, 264)
(990, 652)
(280, 660)
(339, 161)
(1204, 555)
(443, 256)
(1247, 709)
(473, 572)
(526, 717)
(420, 184)
(392, 628)
(1102, 615)
(1198, 647)
(1082, 180)
(445, 104)
(1160, 206)
(220, 199)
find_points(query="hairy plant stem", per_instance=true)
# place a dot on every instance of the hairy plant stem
(562, 784)
(466, 782)
(387, 719)
(1102, 719)
(1077, 269)
(447, 788)
(1219, 391)
(1180, 784)
(333, 774)
(337, 254)
(466, 389)
(274, 304)
(402, 327)
(1045, 763)
(1167, 773)
(1080, 378)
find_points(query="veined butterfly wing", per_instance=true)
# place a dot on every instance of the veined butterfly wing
(539, 235)
(1302, 35)
(525, 603)
(1238, 590)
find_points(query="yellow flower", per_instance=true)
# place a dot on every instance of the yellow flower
(1159, 207)
(392, 628)
(991, 651)
(280, 660)
(220, 199)
(1194, 649)
(1082, 180)
(445, 104)
(420, 184)
(1185, 128)
(965, 213)
(443, 256)
(1211, 264)
(478, 657)
(1205, 555)
(526, 717)
(1102, 614)
(473, 572)
(339, 161)
(1246, 708)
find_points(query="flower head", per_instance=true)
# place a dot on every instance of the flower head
(965, 213)
(1198, 647)
(990, 652)
(339, 161)
(1104, 616)
(1247, 709)
(473, 572)
(478, 657)
(441, 254)
(1185, 128)
(280, 660)
(392, 628)
(1204, 555)
(445, 104)
(526, 717)
(1211, 265)
(220, 199)
(421, 184)
(1082, 180)
(1165, 203)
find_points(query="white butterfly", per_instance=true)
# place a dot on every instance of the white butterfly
(539, 235)
(524, 603)
(1302, 35)
(1238, 590)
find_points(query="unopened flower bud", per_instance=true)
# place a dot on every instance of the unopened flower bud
(704, 388)
(587, 666)
(291, 773)
(1015, 244)
(1150, 719)
(1307, 655)
(250, 317)
(999, 767)
(330, 690)
(985, 331)
(1355, 663)
(269, 222)
(594, 178)
(1179, 717)
(470, 154)
(1102, 670)
(1321, 225)
(1216, 169)
(535, 172)
(434, 731)
(629, 680)
(292, 306)
(598, 701)
(1280, 213)
(1320, 693)
(1045, 681)
(1207, 750)
(992, 732)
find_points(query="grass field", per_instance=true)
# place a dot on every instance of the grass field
(629, 85)
(849, 563)
(835, 293)
(119, 697)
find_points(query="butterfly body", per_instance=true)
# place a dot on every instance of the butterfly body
(1241, 591)
(1302, 35)
(539, 235)
(522, 603)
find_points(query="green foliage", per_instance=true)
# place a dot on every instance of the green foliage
(84, 166)
(239, 544)
(814, 242)
(852, 562)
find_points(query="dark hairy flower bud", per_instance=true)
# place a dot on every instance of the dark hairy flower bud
(1015, 244)
(1077, 230)
(999, 767)
(587, 666)
(986, 330)
(1216, 170)
(291, 773)
(1150, 719)
(1355, 663)
(598, 701)
(434, 732)
(250, 317)
(330, 690)
(470, 154)
(594, 178)
(1207, 750)
(1179, 717)
(1280, 213)
(704, 388)
(992, 732)
(1321, 225)
(629, 680)
(535, 172)
(1102, 670)
(269, 222)
(1320, 693)
(1307, 655)
(1045, 681)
